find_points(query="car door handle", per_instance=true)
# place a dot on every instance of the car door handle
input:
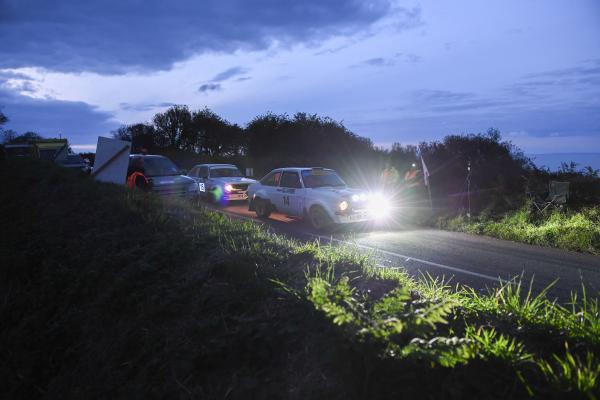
(280, 190)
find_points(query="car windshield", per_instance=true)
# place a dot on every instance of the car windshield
(315, 178)
(159, 166)
(225, 172)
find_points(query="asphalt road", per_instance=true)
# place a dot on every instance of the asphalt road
(477, 261)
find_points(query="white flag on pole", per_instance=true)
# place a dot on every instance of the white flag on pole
(425, 172)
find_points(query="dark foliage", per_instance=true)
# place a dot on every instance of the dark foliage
(173, 127)
(310, 140)
(141, 136)
(11, 137)
(498, 172)
(213, 136)
(585, 183)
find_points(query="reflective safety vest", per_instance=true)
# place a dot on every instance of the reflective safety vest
(132, 178)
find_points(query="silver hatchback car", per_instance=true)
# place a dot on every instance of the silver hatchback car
(220, 183)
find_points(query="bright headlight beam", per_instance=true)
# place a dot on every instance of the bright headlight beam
(379, 206)
(228, 188)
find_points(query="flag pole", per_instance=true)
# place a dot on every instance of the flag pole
(430, 201)
(426, 181)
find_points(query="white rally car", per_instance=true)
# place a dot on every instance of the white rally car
(220, 183)
(318, 194)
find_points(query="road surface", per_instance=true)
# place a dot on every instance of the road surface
(477, 261)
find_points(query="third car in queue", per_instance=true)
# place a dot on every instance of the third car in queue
(220, 183)
(161, 176)
(318, 194)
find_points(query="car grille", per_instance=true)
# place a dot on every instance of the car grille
(240, 187)
(171, 190)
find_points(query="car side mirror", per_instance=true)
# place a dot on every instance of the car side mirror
(183, 171)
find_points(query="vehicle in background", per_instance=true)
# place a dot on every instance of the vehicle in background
(220, 183)
(56, 150)
(164, 177)
(19, 150)
(75, 161)
(44, 149)
(318, 194)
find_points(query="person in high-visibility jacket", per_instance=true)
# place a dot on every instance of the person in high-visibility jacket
(136, 179)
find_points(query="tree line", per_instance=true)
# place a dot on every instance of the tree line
(496, 172)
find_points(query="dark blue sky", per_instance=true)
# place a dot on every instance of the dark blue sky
(393, 71)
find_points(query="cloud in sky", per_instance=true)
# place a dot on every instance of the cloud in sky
(229, 73)
(214, 84)
(209, 87)
(391, 70)
(389, 61)
(80, 121)
(116, 36)
(378, 62)
(144, 106)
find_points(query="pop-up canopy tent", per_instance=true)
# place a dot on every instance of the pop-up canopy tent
(112, 160)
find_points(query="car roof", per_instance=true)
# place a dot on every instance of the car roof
(214, 165)
(299, 169)
(146, 156)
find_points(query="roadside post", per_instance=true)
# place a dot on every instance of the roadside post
(112, 160)
(469, 189)
(426, 181)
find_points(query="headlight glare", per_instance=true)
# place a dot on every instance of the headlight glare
(228, 188)
(379, 206)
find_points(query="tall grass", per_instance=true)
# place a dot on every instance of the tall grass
(579, 231)
(509, 327)
(132, 297)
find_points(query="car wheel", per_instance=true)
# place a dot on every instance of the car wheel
(262, 209)
(319, 219)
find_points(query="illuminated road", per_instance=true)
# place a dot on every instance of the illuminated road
(476, 261)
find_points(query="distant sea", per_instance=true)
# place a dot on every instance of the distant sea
(553, 160)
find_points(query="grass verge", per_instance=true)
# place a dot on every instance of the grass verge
(579, 231)
(108, 293)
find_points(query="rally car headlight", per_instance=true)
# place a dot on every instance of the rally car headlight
(355, 197)
(228, 188)
(379, 205)
(343, 205)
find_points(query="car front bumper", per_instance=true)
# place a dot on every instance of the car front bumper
(235, 196)
(353, 216)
